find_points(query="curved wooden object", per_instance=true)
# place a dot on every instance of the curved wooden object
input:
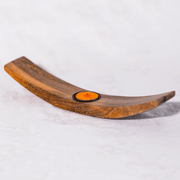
(59, 93)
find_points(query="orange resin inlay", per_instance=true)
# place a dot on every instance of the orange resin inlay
(86, 96)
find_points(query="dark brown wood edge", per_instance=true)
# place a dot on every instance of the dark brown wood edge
(60, 93)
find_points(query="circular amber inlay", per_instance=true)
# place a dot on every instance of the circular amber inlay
(86, 96)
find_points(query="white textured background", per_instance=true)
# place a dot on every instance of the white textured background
(117, 47)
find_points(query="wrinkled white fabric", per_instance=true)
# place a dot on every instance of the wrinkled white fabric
(127, 48)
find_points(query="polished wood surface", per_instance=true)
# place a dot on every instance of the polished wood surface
(59, 93)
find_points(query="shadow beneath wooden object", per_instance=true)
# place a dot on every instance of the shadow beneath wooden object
(166, 109)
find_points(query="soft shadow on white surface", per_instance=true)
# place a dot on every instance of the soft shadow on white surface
(166, 109)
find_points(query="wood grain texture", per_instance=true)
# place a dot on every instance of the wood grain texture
(59, 93)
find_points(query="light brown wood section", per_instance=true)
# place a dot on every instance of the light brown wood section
(59, 93)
